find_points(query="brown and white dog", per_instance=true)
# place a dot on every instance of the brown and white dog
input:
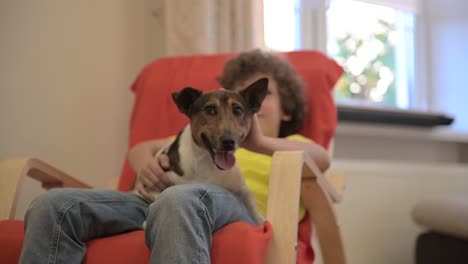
(203, 152)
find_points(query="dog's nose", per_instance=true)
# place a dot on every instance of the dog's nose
(227, 144)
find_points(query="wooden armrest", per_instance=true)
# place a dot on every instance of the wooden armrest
(317, 196)
(295, 174)
(336, 179)
(51, 177)
(13, 172)
(283, 205)
(333, 188)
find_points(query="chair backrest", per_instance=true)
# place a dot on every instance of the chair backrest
(155, 115)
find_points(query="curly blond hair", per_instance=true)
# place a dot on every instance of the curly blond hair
(290, 85)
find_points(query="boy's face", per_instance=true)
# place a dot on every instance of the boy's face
(271, 113)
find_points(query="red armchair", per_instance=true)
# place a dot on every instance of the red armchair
(152, 91)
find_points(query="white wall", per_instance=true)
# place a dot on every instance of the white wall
(65, 72)
(448, 41)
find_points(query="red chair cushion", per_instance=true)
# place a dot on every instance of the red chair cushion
(124, 248)
(11, 241)
(131, 248)
(241, 242)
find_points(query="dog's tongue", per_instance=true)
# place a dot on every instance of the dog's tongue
(225, 159)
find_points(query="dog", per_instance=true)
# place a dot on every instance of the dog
(203, 151)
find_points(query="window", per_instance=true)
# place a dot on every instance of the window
(282, 25)
(374, 44)
(374, 40)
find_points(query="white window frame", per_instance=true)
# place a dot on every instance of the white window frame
(314, 36)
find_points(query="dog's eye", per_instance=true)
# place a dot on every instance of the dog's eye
(237, 110)
(210, 110)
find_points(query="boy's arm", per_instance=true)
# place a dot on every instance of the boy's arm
(257, 142)
(142, 153)
(149, 168)
(268, 145)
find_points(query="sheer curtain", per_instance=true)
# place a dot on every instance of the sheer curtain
(210, 26)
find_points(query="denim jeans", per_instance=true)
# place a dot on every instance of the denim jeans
(178, 229)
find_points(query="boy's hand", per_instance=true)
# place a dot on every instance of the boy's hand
(152, 177)
(253, 140)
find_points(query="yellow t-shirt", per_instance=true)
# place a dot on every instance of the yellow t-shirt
(256, 171)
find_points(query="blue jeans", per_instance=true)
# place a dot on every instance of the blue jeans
(178, 229)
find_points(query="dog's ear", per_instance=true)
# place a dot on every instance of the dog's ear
(255, 93)
(185, 99)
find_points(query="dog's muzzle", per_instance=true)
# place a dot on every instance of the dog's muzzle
(224, 159)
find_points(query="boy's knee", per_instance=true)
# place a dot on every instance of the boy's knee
(48, 200)
(180, 198)
(179, 195)
(175, 207)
